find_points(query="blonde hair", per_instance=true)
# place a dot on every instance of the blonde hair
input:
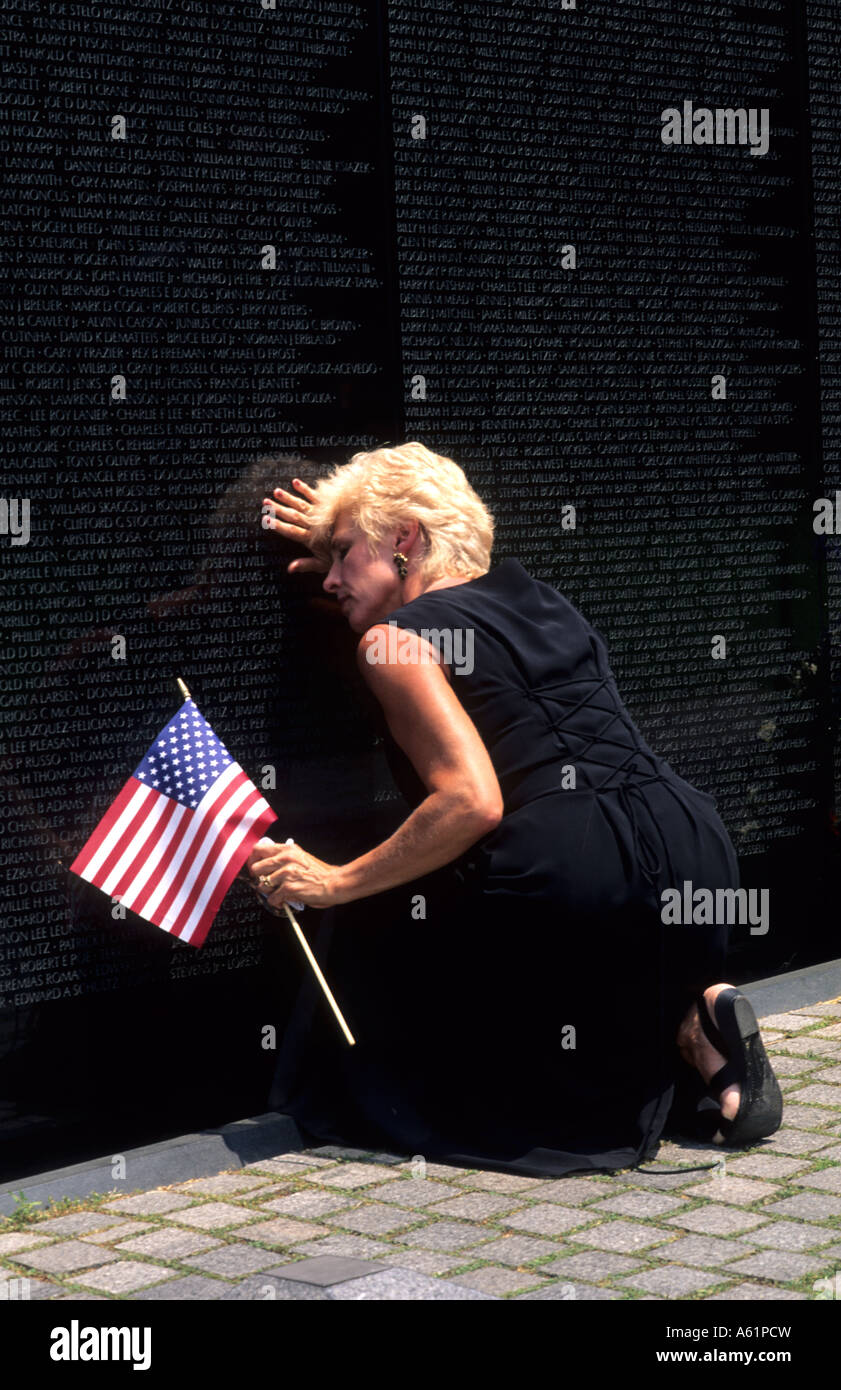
(382, 487)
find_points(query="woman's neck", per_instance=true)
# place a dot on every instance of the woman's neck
(415, 586)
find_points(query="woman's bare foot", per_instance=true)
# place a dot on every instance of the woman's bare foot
(696, 1049)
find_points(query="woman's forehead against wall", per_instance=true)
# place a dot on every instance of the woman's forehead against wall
(341, 528)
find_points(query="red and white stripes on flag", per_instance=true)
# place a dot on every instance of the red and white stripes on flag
(179, 831)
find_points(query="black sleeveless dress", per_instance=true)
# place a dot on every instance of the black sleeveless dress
(518, 1008)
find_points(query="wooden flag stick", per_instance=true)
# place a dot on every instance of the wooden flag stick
(318, 975)
(316, 968)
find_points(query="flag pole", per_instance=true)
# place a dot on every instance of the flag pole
(318, 975)
(305, 946)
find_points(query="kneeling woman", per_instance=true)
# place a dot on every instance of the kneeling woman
(520, 1001)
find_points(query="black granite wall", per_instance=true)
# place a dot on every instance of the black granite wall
(244, 241)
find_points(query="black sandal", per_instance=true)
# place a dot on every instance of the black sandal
(738, 1039)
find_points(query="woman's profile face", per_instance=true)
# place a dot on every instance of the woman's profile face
(366, 587)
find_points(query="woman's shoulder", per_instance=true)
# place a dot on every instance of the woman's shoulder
(514, 618)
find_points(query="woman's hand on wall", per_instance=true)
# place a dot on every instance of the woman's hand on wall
(288, 516)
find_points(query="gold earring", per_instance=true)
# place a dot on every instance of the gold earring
(401, 561)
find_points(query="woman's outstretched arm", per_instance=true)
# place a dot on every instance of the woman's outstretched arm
(464, 801)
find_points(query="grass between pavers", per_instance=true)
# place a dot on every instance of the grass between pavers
(72, 1284)
(527, 1274)
(26, 1212)
(652, 1258)
(252, 1201)
(655, 1257)
(165, 1220)
(806, 1282)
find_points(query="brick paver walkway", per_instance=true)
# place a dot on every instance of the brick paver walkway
(765, 1224)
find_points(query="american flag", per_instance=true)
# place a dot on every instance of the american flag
(179, 831)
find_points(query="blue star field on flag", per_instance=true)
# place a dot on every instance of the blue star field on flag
(186, 759)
